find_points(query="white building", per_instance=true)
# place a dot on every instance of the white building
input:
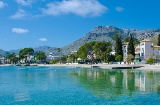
(143, 51)
(124, 48)
(146, 49)
(51, 57)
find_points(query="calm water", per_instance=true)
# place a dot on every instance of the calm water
(78, 86)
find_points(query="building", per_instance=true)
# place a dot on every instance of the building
(143, 51)
(51, 57)
(124, 48)
(2, 60)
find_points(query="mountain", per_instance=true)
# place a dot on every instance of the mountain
(105, 33)
(3, 53)
(47, 50)
(100, 33)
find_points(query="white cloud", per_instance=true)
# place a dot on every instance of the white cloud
(119, 9)
(25, 2)
(19, 14)
(79, 7)
(1, 4)
(42, 39)
(19, 30)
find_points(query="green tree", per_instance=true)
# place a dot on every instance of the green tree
(41, 56)
(130, 58)
(83, 50)
(150, 60)
(131, 49)
(64, 59)
(59, 52)
(52, 61)
(25, 52)
(118, 45)
(119, 58)
(158, 44)
(12, 58)
(71, 57)
(135, 40)
(111, 58)
(102, 50)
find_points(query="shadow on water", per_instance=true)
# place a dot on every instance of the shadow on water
(116, 83)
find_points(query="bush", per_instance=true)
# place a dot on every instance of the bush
(52, 61)
(119, 58)
(150, 60)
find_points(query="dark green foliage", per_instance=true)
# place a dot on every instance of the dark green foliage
(59, 51)
(52, 61)
(111, 58)
(135, 40)
(119, 58)
(131, 49)
(83, 50)
(24, 52)
(130, 58)
(40, 56)
(118, 44)
(150, 60)
(12, 58)
(71, 57)
(158, 44)
(100, 49)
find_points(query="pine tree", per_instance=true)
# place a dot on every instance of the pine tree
(158, 44)
(118, 46)
(131, 49)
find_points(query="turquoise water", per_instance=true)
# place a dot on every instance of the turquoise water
(78, 86)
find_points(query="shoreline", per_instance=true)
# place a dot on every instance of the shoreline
(102, 66)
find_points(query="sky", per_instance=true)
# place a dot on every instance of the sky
(58, 23)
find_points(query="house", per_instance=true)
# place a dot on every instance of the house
(143, 51)
(51, 57)
(2, 60)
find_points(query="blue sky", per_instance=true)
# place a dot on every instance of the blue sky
(57, 23)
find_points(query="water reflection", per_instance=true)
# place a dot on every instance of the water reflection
(115, 83)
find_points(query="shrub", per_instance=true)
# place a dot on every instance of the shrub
(150, 60)
(52, 61)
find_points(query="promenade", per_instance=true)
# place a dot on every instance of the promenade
(108, 66)
(102, 66)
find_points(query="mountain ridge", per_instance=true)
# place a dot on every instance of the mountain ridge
(99, 33)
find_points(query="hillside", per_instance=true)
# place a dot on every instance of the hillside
(105, 33)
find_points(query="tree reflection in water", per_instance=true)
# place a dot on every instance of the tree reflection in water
(115, 83)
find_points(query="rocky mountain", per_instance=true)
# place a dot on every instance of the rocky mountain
(47, 50)
(3, 53)
(105, 33)
(100, 33)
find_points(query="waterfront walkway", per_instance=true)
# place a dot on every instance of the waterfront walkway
(104, 66)
(110, 66)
